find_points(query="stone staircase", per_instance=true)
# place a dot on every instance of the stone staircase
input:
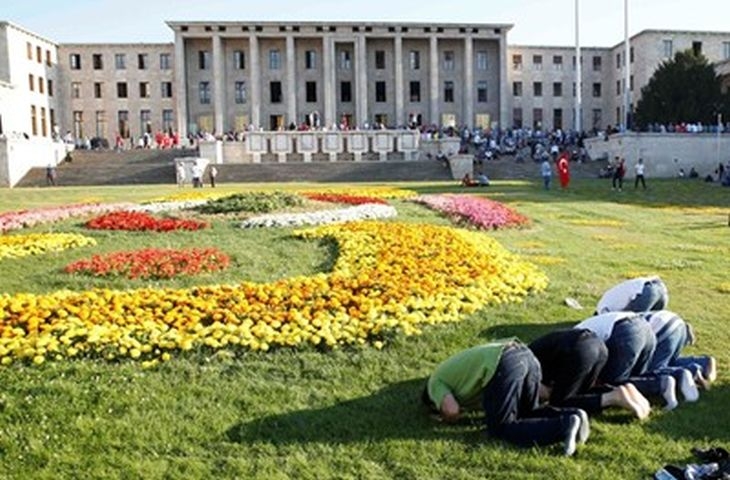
(506, 168)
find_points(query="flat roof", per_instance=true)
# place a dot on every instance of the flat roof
(363, 23)
(6, 23)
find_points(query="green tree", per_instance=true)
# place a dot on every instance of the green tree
(683, 89)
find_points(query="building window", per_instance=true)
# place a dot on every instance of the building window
(557, 89)
(101, 124)
(120, 61)
(121, 89)
(78, 124)
(75, 89)
(697, 48)
(142, 61)
(482, 92)
(31, 82)
(310, 59)
(311, 92)
(618, 87)
(575, 89)
(239, 60)
(145, 122)
(204, 93)
(414, 90)
(39, 54)
(516, 62)
(50, 87)
(345, 92)
(726, 50)
(74, 61)
(558, 118)
(537, 89)
(48, 58)
(33, 121)
(597, 64)
(203, 59)
(380, 59)
(597, 90)
(165, 63)
(345, 60)
(631, 54)
(631, 83)
(517, 89)
(97, 90)
(448, 60)
(482, 60)
(618, 60)
(97, 61)
(668, 47)
(597, 118)
(123, 123)
(29, 50)
(537, 62)
(44, 122)
(380, 92)
(537, 118)
(558, 62)
(449, 92)
(517, 117)
(274, 59)
(52, 113)
(41, 85)
(275, 92)
(144, 89)
(166, 89)
(415, 59)
(168, 120)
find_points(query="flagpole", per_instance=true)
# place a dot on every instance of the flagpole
(578, 74)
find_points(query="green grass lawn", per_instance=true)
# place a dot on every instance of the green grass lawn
(355, 413)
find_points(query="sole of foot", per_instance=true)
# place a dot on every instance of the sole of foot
(571, 437)
(636, 401)
(711, 373)
(585, 426)
(669, 392)
(688, 387)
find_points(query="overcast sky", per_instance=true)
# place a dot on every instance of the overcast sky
(536, 22)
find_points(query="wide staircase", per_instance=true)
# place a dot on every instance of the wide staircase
(507, 168)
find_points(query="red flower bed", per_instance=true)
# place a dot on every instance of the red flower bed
(348, 199)
(139, 221)
(153, 263)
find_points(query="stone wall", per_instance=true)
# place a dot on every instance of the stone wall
(18, 156)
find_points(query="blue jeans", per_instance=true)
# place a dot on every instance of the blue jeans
(653, 297)
(546, 181)
(630, 349)
(670, 340)
(510, 402)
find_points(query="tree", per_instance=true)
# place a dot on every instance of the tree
(684, 89)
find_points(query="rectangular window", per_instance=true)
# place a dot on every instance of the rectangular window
(97, 89)
(240, 91)
(97, 61)
(557, 89)
(33, 121)
(123, 123)
(345, 60)
(239, 60)
(414, 90)
(275, 92)
(145, 122)
(482, 59)
(204, 93)
(537, 62)
(39, 54)
(310, 59)
(48, 58)
(597, 90)
(618, 87)
(311, 92)
(516, 62)
(574, 89)
(558, 118)
(618, 60)
(537, 118)
(120, 61)
(41, 85)
(517, 117)
(449, 92)
(631, 83)
(101, 124)
(142, 61)
(121, 89)
(726, 50)
(380, 59)
(74, 61)
(380, 92)
(448, 60)
(558, 62)
(52, 113)
(537, 89)
(50, 87)
(144, 90)
(78, 124)
(203, 59)
(274, 59)
(31, 82)
(597, 64)
(29, 50)
(168, 120)
(165, 63)
(631, 54)
(75, 89)
(668, 47)
(517, 89)
(345, 92)
(414, 59)
(597, 118)
(697, 48)
(166, 89)
(482, 92)
(44, 122)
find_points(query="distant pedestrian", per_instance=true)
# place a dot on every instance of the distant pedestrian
(564, 170)
(619, 171)
(546, 170)
(640, 175)
(212, 173)
(51, 175)
(180, 175)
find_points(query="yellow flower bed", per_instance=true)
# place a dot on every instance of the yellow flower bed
(14, 246)
(388, 278)
(373, 192)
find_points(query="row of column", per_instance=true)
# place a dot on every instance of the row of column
(329, 69)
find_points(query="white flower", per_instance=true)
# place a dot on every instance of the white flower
(159, 207)
(361, 212)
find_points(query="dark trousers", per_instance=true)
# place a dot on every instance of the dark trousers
(618, 181)
(510, 402)
(653, 297)
(640, 178)
(630, 349)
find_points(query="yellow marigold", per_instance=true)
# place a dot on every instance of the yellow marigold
(14, 246)
(373, 192)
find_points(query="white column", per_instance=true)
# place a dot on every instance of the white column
(181, 94)
(328, 69)
(468, 119)
(361, 74)
(253, 53)
(578, 121)
(399, 91)
(218, 84)
(434, 81)
(505, 120)
(291, 81)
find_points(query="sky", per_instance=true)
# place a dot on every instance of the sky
(536, 22)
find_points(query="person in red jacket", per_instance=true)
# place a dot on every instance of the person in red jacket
(564, 170)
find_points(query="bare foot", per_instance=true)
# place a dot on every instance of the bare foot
(637, 398)
(621, 397)
(711, 374)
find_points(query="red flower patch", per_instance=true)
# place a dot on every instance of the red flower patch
(348, 199)
(139, 221)
(153, 263)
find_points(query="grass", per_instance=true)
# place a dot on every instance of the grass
(355, 413)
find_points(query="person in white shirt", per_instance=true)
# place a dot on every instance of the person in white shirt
(639, 167)
(640, 294)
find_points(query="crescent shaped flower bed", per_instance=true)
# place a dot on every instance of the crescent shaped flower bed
(478, 212)
(14, 246)
(28, 218)
(152, 263)
(322, 217)
(140, 222)
(389, 278)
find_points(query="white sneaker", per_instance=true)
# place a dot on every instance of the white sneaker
(571, 438)
(688, 387)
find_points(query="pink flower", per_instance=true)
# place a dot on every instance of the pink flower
(477, 211)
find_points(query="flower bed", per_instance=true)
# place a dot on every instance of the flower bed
(475, 211)
(370, 192)
(14, 246)
(153, 263)
(139, 221)
(389, 278)
(322, 217)
(341, 198)
(256, 202)
(28, 218)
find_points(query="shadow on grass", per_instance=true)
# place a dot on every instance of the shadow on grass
(395, 412)
(526, 332)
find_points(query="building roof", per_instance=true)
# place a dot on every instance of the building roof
(7, 24)
(362, 24)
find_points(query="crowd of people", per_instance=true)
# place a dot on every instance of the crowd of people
(627, 355)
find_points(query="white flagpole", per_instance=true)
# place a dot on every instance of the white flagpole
(578, 74)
